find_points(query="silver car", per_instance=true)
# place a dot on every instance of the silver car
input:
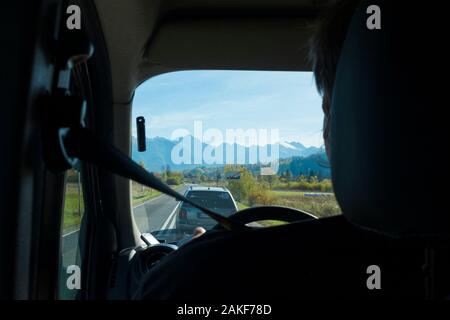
(219, 200)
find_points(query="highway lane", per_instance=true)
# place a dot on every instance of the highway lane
(157, 214)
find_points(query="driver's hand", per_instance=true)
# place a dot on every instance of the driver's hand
(198, 232)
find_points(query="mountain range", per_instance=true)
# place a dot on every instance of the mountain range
(159, 153)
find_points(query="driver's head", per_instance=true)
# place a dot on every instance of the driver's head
(325, 49)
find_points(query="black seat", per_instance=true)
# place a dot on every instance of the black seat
(317, 259)
(387, 129)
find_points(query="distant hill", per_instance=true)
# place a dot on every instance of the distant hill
(316, 164)
(158, 155)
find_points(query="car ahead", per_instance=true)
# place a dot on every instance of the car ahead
(217, 199)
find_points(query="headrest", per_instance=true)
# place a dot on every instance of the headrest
(389, 130)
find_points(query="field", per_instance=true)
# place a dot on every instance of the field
(73, 207)
(319, 204)
(141, 194)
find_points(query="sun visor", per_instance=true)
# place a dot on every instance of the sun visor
(231, 43)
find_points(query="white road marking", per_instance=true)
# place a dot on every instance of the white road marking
(172, 225)
(72, 232)
(151, 200)
(169, 218)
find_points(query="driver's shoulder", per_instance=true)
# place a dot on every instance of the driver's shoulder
(215, 254)
(222, 242)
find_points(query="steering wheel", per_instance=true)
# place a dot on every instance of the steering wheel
(277, 213)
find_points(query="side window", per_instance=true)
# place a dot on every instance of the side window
(70, 261)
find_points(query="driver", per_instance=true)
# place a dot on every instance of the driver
(169, 279)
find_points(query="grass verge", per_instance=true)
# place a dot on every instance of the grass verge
(73, 207)
(320, 204)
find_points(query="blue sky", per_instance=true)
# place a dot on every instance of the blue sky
(287, 101)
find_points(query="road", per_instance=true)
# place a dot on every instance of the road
(156, 214)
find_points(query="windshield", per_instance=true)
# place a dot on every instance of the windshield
(229, 140)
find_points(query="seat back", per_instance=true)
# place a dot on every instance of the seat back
(389, 136)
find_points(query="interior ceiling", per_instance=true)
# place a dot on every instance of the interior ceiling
(149, 37)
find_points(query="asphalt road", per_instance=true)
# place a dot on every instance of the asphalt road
(156, 214)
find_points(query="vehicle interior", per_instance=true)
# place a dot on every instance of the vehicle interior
(386, 121)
